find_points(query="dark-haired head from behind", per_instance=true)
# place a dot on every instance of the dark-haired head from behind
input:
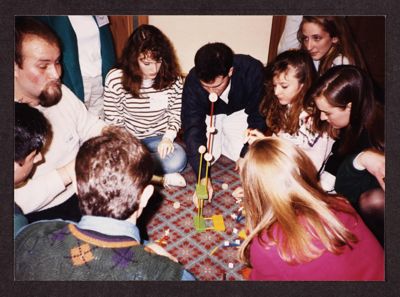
(112, 171)
(31, 130)
(213, 60)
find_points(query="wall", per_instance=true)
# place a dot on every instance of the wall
(244, 34)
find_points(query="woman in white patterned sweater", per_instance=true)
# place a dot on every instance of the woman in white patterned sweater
(144, 95)
(288, 78)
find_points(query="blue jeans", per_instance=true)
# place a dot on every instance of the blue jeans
(174, 162)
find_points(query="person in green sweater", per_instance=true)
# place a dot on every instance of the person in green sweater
(113, 172)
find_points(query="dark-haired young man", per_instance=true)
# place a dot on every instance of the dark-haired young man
(238, 81)
(113, 172)
(49, 194)
(31, 130)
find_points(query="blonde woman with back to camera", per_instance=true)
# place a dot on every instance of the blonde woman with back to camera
(296, 230)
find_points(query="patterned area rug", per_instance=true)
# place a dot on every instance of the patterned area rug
(193, 248)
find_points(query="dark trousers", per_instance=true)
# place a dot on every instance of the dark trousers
(69, 210)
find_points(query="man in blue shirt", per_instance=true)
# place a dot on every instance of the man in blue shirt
(113, 172)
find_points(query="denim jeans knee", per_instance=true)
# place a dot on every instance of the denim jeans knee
(174, 162)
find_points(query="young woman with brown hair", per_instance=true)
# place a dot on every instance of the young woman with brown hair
(346, 108)
(288, 78)
(144, 95)
(329, 42)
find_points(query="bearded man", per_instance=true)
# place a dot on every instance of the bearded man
(49, 193)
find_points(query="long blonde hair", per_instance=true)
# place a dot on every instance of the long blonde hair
(282, 194)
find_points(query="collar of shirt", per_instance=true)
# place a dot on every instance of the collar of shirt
(225, 93)
(147, 83)
(109, 226)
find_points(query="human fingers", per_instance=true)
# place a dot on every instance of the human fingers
(255, 135)
(195, 200)
(170, 149)
(210, 190)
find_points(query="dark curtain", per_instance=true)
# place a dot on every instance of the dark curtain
(278, 24)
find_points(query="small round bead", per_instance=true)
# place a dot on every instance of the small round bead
(213, 97)
(202, 149)
(208, 157)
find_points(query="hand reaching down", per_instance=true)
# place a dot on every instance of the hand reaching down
(210, 190)
(165, 147)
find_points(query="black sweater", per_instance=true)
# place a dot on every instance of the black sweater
(246, 92)
(351, 182)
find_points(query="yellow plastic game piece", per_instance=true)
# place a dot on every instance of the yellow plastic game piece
(242, 234)
(218, 222)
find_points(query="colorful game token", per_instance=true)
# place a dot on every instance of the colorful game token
(242, 234)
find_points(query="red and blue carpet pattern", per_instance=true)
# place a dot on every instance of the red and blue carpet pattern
(193, 248)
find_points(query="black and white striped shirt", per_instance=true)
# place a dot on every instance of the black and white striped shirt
(158, 112)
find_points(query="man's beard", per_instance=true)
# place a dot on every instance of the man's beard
(51, 94)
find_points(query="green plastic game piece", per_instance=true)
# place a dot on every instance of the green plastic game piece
(199, 223)
(201, 192)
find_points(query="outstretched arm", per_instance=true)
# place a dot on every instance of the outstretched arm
(255, 84)
(194, 110)
(166, 146)
(360, 173)
(374, 162)
(39, 192)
